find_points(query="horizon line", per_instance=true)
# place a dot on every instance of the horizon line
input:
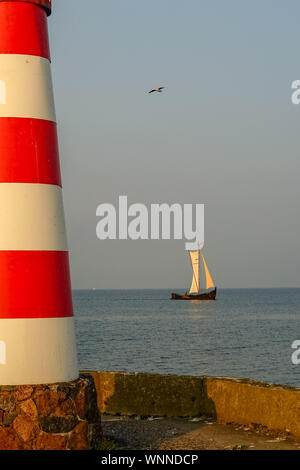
(177, 288)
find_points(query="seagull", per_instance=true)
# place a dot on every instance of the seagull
(159, 90)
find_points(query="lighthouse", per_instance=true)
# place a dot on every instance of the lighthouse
(37, 338)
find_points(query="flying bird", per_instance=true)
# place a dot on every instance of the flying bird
(159, 90)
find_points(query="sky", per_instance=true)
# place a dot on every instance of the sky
(224, 133)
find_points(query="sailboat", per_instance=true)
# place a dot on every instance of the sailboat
(194, 293)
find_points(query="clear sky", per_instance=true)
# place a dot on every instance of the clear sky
(223, 133)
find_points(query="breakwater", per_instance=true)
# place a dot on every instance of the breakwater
(229, 400)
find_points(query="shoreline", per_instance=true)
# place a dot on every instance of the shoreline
(149, 433)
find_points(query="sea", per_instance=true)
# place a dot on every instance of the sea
(244, 333)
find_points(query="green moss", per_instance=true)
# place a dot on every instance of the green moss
(106, 444)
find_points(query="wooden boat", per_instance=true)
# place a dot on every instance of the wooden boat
(194, 293)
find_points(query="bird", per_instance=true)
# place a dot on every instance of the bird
(159, 90)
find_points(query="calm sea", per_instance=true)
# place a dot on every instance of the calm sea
(245, 333)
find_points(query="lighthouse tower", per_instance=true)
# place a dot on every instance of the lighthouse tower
(37, 340)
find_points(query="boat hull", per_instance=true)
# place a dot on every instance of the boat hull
(205, 296)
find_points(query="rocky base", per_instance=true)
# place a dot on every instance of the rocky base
(62, 416)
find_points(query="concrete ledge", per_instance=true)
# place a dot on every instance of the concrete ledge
(246, 401)
(229, 400)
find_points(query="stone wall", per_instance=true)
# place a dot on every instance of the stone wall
(228, 400)
(50, 417)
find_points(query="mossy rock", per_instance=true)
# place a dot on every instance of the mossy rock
(106, 444)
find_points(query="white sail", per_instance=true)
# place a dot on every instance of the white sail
(195, 260)
(209, 282)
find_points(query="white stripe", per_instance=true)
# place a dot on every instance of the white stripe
(2, 92)
(28, 87)
(2, 353)
(38, 351)
(32, 217)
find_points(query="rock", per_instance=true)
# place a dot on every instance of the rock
(54, 403)
(95, 434)
(9, 417)
(67, 389)
(78, 437)
(23, 392)
(46, 417)
(26, 428)
(50, 442)
(28, 407)
(46, 402)
(7, 401)
(57, 424)
(9, 440)
(86, 402)
(67, 407)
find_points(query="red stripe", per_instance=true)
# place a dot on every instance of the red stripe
(23, 29)
(29, 151)
(35, 284)
(42, 3)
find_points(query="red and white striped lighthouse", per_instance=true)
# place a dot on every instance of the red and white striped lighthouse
(37, 340)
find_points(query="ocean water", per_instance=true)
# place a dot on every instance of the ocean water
(244, 333)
